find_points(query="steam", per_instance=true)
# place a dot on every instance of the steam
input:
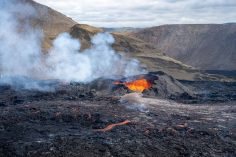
(134, 101)
(21, 55)
(67, 63)
(20, 48)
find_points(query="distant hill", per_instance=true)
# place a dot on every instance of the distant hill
(205, 46)
(121, 29)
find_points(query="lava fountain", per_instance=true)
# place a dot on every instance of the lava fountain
(137, 85)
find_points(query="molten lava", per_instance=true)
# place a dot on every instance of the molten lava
(137, 85)
(111, 126)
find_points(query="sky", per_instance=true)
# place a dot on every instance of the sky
(145, 13)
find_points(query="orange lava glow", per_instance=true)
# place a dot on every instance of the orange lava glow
(137, 85)
(111, 126)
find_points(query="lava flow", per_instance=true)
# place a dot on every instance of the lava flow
(111, 126)
(136, 85)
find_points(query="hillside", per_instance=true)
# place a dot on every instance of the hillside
(149, 56)
(54, 23)
(205, 46)
(50, 21)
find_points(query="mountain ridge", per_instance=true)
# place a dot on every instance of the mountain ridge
(204, 46)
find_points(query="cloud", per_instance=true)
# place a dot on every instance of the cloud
(143, 13)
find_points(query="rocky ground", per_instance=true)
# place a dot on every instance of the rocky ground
(171, 119)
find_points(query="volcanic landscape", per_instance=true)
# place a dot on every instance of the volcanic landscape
(106, 119)
(160, 107)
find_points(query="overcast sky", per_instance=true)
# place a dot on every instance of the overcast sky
(144, 13)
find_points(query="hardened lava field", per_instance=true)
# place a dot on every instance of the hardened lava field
(104, 119)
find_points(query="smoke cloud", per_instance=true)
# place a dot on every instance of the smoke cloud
(22, 61)
(20, 48)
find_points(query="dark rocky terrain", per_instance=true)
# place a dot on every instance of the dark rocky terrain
(66, 121)
(204, 46)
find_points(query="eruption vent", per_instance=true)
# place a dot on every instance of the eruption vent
(137, 85)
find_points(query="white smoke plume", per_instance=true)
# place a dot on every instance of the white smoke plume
(20, 48)
(21, 55)
(68, 64)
